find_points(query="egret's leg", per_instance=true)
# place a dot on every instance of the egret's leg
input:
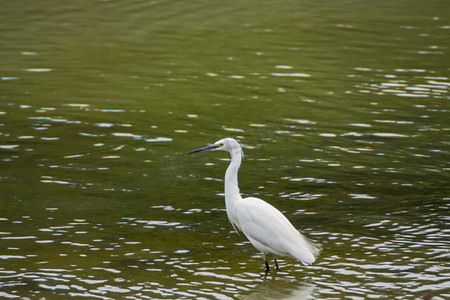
(275, 260)
(266, 262)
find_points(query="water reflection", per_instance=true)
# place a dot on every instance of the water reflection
(385, 255)
(344, 126)
(422, 86)
(281, 289)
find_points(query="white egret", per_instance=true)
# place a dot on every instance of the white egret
(266, 227)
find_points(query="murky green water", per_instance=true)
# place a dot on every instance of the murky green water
(342, 107)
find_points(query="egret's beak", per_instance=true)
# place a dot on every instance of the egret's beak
(210, 147)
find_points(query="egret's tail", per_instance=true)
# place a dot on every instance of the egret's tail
(305, 250)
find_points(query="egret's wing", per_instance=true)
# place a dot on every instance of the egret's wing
(236, 226)
(271, 232)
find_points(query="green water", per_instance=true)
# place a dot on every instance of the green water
(342, 108)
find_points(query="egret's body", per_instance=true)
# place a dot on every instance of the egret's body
(266, 227)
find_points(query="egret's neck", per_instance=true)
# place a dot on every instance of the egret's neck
(231, 178)
(232, 195)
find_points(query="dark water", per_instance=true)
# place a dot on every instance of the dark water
(342, 109)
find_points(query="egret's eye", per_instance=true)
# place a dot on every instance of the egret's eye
(220, 145)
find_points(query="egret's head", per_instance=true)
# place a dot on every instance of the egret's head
(226, 144)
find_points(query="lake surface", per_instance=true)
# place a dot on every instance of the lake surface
(342, 108)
